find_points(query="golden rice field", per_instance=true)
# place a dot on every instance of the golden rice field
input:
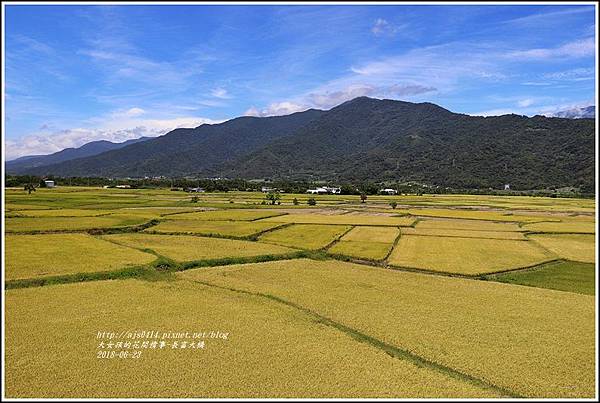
(366, 242)
(221, 215)
(563, 226)
(471, 225)
(577, 247)
(372, 234)
(462, 233)
(446, 296)
(183, 248)
(26, 224)
(470, 256)
(531, 341)
(343, 219)
(29, 256)
(271, 351)
(63, 213)
(228, 228)
(305, 236)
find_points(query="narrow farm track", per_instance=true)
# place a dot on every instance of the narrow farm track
(389, 349)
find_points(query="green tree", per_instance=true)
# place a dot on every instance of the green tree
(393, 204)
(311, 202)
(363, 197)
(272, 197)
(295, 201)
(29, 188)
(195, 199)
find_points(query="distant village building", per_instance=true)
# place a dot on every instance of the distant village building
(123, 186)
(195, 190)
(49, 184)
(265, 189)
(325, 190)
(389, 191)
(507, 187)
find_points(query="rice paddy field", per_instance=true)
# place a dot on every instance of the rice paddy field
(144, 293)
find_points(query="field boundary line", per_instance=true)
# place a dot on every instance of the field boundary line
(198, 234)
(161, 268)
(337, 239)
(254, 237)
(393, 351)
(394, 244)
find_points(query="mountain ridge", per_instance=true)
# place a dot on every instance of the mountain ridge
(85, 150)
(365, 139)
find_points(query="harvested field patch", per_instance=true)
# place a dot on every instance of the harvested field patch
(223, 215)
(477, 215)
(473, 225)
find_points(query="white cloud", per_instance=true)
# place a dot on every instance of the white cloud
(277, 109)
(383, 27)
(102, 128)
(576, 49)
(220, 93)
(578, 74)
(252, 111)
(525, 102)
(327, 99)
(135, 112)
(551, 110)
(540, 18)
(496, 112)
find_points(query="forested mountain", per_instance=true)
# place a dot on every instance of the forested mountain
(185, 151)
(366, 139)
(93, 148)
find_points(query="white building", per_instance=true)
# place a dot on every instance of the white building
(49, 184)
(507, 187)
(389, 191)
(265, 189)
(324, 190)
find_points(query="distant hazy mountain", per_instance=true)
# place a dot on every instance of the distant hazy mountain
(21, 164)
(588, 112)
(185, 151)
(365, 139)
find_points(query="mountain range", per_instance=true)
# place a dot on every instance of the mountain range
(362, 139)
(87, 150)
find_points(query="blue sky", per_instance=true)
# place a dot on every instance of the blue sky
(79, 73)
